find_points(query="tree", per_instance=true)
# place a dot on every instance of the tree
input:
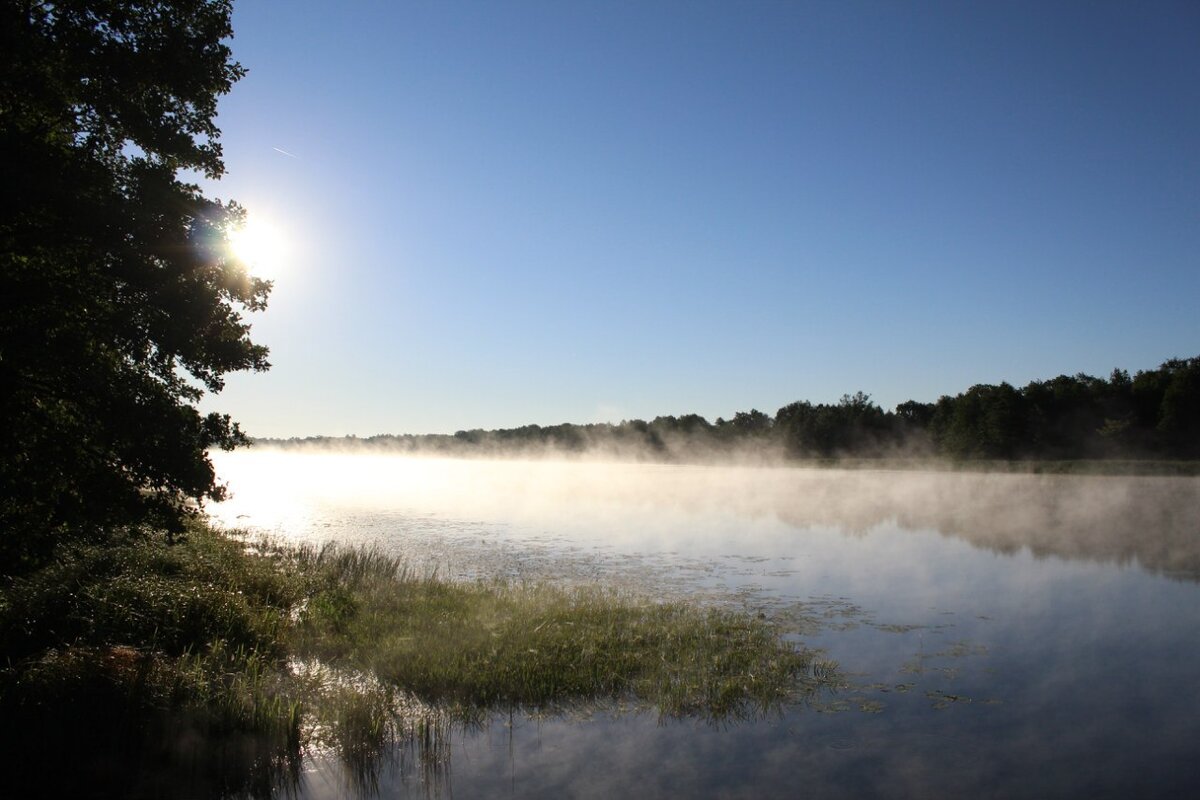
(984, 422)
(1064, 416)
(915, 415)
(1179, 416)
(121, 303)
(751, 424)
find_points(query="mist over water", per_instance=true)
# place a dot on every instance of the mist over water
(1007, 635)
(1150, 522)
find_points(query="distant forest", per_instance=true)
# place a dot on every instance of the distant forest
(1153, 415)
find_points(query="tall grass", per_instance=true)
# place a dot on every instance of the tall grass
(243, 658)
(503, 646)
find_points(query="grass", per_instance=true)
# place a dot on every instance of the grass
(242, 658)
(502, 646)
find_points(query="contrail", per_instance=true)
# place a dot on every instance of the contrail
(285, 152)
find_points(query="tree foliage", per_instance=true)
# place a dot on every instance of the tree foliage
(121, 302)
(1155, 414)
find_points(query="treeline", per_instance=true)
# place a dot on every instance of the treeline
(1154, 414)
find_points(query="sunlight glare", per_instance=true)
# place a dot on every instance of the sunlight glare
(261, 246)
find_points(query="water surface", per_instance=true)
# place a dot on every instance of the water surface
(1005, 635)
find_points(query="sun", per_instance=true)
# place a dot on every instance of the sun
(261, 246)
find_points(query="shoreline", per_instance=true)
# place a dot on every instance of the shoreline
(1083, 466)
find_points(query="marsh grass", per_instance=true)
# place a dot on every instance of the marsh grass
(142, 593)
(236, 659)
(499, 645)
(142, 666)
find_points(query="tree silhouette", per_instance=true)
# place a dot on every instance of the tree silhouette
(121, 304)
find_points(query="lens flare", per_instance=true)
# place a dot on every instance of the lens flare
(262, 246)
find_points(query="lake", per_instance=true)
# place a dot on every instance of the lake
(1002, 635)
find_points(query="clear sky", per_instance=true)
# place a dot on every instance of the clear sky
(499, 213)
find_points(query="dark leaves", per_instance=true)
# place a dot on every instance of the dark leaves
(121, 304)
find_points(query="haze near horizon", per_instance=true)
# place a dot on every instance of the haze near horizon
(501, 214)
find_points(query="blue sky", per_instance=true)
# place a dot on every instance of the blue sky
(504, 213)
